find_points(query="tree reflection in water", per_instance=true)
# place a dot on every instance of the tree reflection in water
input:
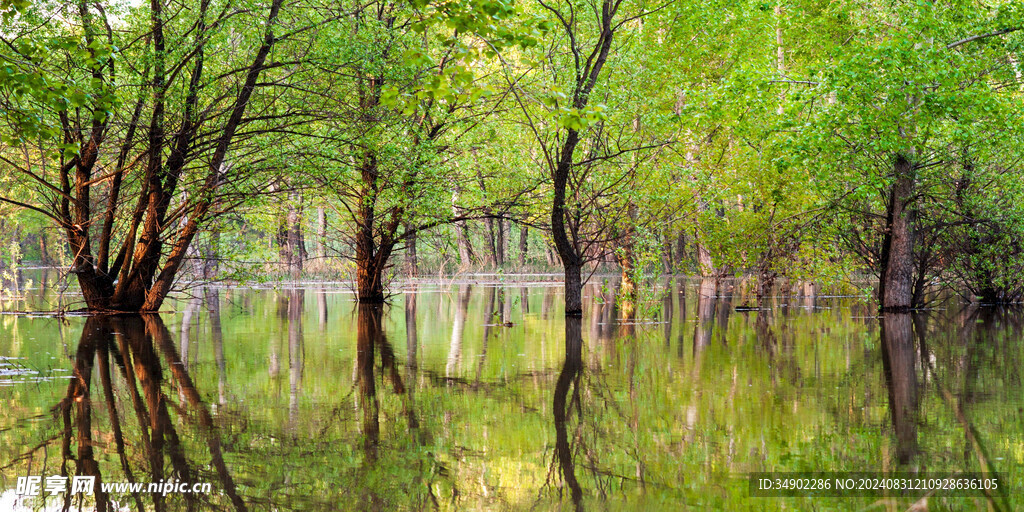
(458, 415)
(296, 351)
(133, 342)
(899, 361)
(564, 405)
(371, 341)
(212, 297)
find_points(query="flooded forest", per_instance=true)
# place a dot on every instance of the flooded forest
(511, 255)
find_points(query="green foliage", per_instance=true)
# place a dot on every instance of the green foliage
(760, 133)
(34, 89)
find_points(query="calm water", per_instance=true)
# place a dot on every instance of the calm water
(480, 396)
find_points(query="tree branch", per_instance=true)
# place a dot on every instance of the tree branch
(966, 40)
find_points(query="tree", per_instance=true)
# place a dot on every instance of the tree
(125, 128)
(388, 152)
(896, 109)
(564, 119)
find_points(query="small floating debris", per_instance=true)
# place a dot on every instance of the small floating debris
(12, 372)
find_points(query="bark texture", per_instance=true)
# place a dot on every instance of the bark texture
(897, 282)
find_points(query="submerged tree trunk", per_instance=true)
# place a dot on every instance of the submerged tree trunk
(489, 239)
(765, 283)
(573, 289)
(896, 289)
(565, 227)
(705, 263)
(550, 255)
(371, 261)
(466, 256)
(44, 250)
(667, 260)
(211, 255)
(375, 236)
(139, 276)
(680, 250)
(568, 250)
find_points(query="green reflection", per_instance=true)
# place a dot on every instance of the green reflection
(299, 399)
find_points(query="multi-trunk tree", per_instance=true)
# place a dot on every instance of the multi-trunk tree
(124, 122)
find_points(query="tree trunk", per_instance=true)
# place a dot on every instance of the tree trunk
(321, 234)
(765, 282)
(293, 237)
(573, 289)
(667, 259)
(897, 282)
(139, 286)
(499, 253)
(44, 253)
(705, 263)
(627, 287)
(492, 248)
(284, 254)
(466, 256)
(524, 240)
(411, 258)
(371, 261)
(564, 232)
(680, 250)
(572, 260)
(211, 256)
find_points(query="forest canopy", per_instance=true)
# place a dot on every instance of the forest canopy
(146, 143)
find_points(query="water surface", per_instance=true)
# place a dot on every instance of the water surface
(478, 394)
